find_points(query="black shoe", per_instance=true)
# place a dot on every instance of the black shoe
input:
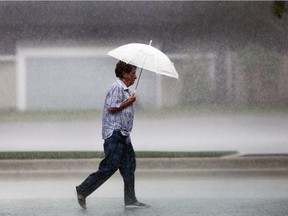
(136, 205)
(81, 199)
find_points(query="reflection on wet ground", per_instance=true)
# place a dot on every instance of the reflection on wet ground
(163, 206)
(184, 195)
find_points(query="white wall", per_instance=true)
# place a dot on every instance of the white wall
(71, 77)
(7, 83)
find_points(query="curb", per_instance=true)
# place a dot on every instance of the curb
(264, 165)
(238, 162)
(237, 166)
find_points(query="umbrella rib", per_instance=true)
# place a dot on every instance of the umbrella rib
(140, 73)
(157, 68)
(128, 62)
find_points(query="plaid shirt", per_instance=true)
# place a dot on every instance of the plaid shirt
(122, 120)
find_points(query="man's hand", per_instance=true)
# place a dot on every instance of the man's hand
(132, 98)
(128, 102)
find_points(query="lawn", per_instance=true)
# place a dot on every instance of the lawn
(100, 154)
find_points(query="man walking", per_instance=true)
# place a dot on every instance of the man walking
(117, 123)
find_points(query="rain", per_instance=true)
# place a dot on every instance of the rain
(231, 96)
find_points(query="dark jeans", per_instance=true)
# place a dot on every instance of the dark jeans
(119, 154)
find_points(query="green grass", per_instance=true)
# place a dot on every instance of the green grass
(162, 154)
(100, 154)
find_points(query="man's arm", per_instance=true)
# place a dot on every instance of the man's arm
(125, 104)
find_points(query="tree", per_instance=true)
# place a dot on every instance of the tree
(278, 8)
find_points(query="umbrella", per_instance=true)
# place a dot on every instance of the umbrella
(145, 57)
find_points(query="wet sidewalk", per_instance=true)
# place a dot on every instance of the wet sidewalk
(231, 165)
(233, 186)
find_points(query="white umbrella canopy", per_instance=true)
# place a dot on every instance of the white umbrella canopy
(145, 57)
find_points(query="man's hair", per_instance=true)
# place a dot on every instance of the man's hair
(122, 67)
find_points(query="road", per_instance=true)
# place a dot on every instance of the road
(243, 133)
(200, 193)
(173, 194)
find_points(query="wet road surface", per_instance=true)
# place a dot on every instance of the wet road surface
(243, 133)
(203, 195)
(165, 207)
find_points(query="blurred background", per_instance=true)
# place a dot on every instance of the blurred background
(229, 55)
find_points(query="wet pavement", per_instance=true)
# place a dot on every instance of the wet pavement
(178, 194)
(237, 187)
(165, 207)
(243, 133)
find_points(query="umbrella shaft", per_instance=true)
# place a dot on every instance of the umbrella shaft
(138, 79)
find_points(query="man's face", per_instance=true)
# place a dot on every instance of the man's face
(130, 77)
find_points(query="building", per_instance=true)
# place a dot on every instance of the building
(53, 54)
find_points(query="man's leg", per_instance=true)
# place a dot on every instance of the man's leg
(108, 166)
(96, 179)
(127, 171)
